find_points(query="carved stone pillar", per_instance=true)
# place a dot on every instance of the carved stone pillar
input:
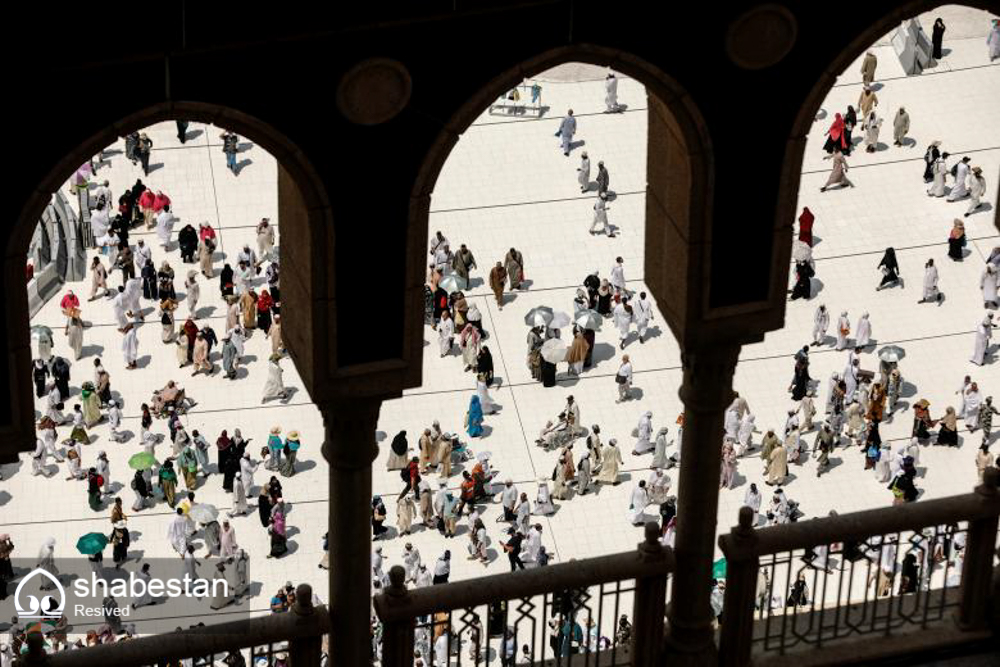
(706, 392)
(350, 450)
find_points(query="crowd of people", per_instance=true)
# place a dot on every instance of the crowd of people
(173, 464)
(444, 482)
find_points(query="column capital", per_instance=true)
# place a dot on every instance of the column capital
(708, 377)
(350, 431)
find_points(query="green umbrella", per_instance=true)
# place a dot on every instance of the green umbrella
(92, 543)
(142, 461)
(719, 569)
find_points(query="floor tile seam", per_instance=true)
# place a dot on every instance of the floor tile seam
(215, 198)
(917, 158)
(484, 294)
(950, 70)
(517, 412)
(483, 207)
(182, 147)
(393, 493)
(586, 114)
(658, 369)
(898, 248)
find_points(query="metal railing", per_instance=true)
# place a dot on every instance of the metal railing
(553, 615)
(873, 573)
(297, 633)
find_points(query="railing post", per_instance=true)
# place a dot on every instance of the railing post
(35, 657)
(397, 634)
(736, 639)
(977, 570)
(649, 603)
(305, 651)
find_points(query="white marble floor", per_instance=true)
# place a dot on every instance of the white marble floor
(507, 184)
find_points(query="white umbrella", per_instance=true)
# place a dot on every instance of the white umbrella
(801, 252)
(203, 513)
(539, 316)
(891, 353)
(588, 319)
(559, 320)
(453, 283)
(554, 350)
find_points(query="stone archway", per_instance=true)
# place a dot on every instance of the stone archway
(304, 212)
(795, 149)
(679, 172)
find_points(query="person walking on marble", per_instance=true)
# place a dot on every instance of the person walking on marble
(868, 66)
(821, 321)
(838, 175)
(843, 331)
(931, 292)
(600, 223)
(983, 334)
(900, 126)
(567, 128)
(603, 179)
(977, 188)
(938, 169)
(611, 94)
(583, 172)
(961, 173)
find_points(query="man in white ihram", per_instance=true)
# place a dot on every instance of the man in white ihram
(642, 314)
(611, 94)
(600, 223)
(567, 128)
(177, 534)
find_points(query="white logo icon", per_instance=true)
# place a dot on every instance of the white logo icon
(50, 606)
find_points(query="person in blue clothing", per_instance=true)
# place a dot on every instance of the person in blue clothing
(274, 447)
(474, 418)
(292, 444)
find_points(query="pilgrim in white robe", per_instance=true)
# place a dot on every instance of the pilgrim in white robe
(177, 534)
(660, 459)
(130, 346)
(843, 331)
(543, 499)
(988, 283)
(639, 501)
(864, 332)
(274, 387)
(959, 190)
(623, 321)
(983, 334)
(930, 284)
(583, 173)
(939, 169)
(644, 432)
(611, 93)
(744, 438)
(973, 399)
(485, 400)
(643, 315)
(164, 227)
(446, 335)
(821, 321)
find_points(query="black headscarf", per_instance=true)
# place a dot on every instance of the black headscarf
(889, 260)
(484, 362)
(399, 445)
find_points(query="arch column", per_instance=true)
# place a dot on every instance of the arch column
(350, 449)
(706, 391)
